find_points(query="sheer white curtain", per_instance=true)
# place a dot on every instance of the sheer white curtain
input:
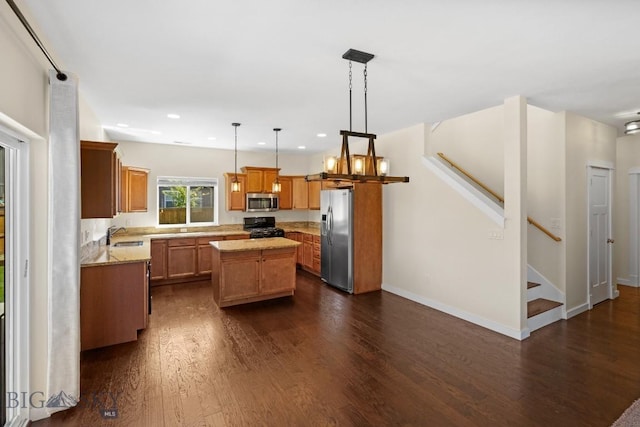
(63, 385)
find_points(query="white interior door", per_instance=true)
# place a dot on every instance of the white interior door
(599, 235)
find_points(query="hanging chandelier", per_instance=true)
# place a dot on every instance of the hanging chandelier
(276, 186)
(357, 167)
(235, 184)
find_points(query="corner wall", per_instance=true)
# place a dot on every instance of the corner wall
(627, 157)
(586, 140)
(436, 248)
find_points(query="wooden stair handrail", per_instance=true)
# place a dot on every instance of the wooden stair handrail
(496, 195)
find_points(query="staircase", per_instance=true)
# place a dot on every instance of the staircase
(541, 311)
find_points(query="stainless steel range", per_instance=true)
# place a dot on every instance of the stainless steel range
(262, 226)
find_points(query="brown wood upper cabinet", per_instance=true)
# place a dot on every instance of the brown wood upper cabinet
(99, 179)
(314, 194)
(286, 192)
(259, 179)
(300, 193)
(235, 201)
(134, 189)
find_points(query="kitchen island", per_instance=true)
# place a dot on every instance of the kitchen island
(244, 271)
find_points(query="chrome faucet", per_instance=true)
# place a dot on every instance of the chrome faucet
(111, 231)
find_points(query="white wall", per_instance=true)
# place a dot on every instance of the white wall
(545, 192)
(627, 157)
(173, 160)
(436, 245)
(23, 85)
(586, 140)
(475, 142)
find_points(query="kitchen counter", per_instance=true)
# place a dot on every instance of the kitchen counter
(105, 255)
(301, 229)
(244, 271)
(254, 244)
(195, 234)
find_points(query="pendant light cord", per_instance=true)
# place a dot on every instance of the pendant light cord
(350, 103)
(235, 151)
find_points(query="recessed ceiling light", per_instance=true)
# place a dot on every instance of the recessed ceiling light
(173, 116)
(301, 147)
(261, 143)
(182, 142)
(122, 125)
(321, 135)
(212, 138)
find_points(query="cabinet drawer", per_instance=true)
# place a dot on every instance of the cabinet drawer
(236, 237)
(307, 238)
(316, 240)
(316, 264)
(206, 240)
(182, 242)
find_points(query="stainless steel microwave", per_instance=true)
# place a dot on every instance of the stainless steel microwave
(262, 202)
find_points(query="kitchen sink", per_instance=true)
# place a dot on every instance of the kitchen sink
(129, 243)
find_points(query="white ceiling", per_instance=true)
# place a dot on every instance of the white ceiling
(279, 63)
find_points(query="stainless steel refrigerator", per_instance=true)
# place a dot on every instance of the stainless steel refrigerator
(336, 209)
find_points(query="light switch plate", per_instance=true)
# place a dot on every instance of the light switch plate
(496, 234)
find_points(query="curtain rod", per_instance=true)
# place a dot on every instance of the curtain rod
(61, 76)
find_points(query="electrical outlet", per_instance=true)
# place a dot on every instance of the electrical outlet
(183, 230)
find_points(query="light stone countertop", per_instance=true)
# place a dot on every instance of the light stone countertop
(193, 234)
(254, 244)
(120, 254)
(309, 230)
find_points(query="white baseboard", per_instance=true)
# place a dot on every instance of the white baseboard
(461, 314)
(576, 310)
(626, 282)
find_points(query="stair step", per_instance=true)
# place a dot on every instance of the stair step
(532, 285)
(540, 305)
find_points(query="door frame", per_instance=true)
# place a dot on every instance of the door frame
(608, 166)
(17, 276)
(634, 227)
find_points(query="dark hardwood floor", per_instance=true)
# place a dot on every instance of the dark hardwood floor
(324, 357)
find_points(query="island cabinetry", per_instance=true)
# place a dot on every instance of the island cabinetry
(236, 201)
(113, 303)
(297, 236)
(158, 259)
(181, 258)
(99, 179)
(133, 190)
(260, 269)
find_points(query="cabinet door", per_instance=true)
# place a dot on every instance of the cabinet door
(204, 254)
(158, 259)
(314, 194)
(286, 193)
(239, 275)
(134, 189)
(268, 176)
(235, 201)
(308, 251)
(316, 254)
(278, 270)
(113, 304)
(181, 258)
(300, 193)
(254, 180)
(98, 179)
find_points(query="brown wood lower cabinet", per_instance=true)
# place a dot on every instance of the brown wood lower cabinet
(113, 303)
(179, 259)
(158, 259)
(254, 275)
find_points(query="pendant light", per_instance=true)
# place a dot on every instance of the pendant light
(235, 184)
(276, 186)
(357, 167)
